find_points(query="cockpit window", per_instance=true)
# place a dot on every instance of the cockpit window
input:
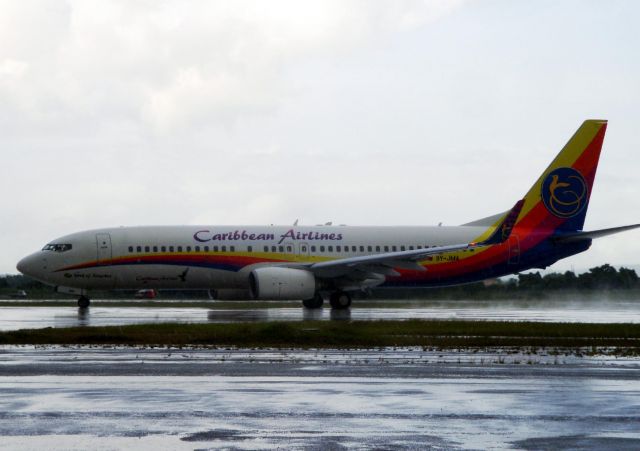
(57, 247)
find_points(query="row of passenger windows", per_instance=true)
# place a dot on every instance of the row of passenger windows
(360, 248)
(281, 249)
(182, 249)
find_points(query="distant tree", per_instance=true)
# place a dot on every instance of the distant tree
(532, 281)
(21, 282)
(627, 278)
(570, 280)
(607, 277)
(554, 281)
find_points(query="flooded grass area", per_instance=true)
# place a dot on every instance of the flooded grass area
(625, 338)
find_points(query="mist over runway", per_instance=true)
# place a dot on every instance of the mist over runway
(108, 313)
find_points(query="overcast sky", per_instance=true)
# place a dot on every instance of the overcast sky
(363, 112)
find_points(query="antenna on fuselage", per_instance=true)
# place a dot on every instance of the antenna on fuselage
(295, 223)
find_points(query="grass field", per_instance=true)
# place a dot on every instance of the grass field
(624, 338)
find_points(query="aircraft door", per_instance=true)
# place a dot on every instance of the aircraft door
(514, 250)
(103, 243)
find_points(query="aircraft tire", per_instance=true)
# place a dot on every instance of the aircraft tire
(340, 300)
(314, 302)
(84, 302)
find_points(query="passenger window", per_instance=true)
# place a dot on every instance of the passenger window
(163, 248)
(304, 249)
(361, 248)
(170, 248)
(346, 249)
(146, 249)
(206, 248)
(289, 249)
(321, 248)
(155, 248)
(354, 249)
(280, 248)
(377, 248)
(313, 248)
(330, 248)
(401, 248)
(419, 247)
(188, 248)
(130, 248)
(266, 248)
(249, 249)
(393, 248)
(274, 249)
(179, 248)
(223, 248)
(197, 248)
(410, 248)
(232, 248)
(369, 249)
(338, 248)
(139, 249)
(386, 248)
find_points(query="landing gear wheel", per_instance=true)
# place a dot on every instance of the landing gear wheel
(315, 302)
(83, 302)
(340, 300)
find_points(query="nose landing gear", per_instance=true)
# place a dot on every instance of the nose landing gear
(83, 301)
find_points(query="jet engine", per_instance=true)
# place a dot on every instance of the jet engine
(281, 283)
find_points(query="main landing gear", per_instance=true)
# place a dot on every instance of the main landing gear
(315, 302)
(83, 301)
(339, 300)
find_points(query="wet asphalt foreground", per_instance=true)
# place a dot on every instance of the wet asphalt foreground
(113, 398)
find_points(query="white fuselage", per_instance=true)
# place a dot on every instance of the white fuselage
(215, 257)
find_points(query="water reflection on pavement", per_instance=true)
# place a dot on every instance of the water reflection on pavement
(605, 311)
(393, 398)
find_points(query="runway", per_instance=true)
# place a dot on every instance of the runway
(62, 398)
(57, 397)
(109, 314)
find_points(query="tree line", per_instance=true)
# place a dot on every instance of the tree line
(604, 277)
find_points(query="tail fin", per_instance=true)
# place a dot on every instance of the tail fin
(559, 199)
(503, 229)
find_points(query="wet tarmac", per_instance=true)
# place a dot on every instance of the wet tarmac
(595, 311)
(407, 398)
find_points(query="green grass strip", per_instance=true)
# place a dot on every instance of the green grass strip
(344, 334)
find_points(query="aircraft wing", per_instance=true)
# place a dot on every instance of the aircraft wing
(384, 264)
(579, 236)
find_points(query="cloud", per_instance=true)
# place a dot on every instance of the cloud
(171, 66)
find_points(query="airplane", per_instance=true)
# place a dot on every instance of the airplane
(310, 263)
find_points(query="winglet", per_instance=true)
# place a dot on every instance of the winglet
(503, 230)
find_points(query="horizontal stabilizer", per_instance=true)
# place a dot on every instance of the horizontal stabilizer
(579, 236)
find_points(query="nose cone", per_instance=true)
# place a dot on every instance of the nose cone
(27, 265)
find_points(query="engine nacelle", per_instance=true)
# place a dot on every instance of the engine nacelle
(281, 284)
